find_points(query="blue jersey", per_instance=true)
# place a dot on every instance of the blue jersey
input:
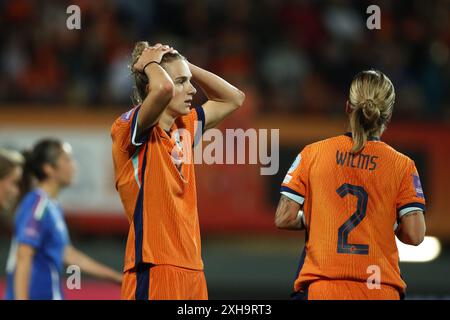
(40, 223)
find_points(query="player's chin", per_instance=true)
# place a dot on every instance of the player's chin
(185, 109)
(68, 182)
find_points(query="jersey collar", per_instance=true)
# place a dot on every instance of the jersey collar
(349, 134)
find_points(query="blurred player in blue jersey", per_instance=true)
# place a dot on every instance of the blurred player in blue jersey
(41, 244)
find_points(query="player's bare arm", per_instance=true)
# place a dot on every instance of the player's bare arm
(73, 256)
(25, 254)
(160, 88)
(288, 215)
(411, 229)
(223, 98)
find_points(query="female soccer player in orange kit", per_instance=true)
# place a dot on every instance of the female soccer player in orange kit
(156, 185)
(353, 194)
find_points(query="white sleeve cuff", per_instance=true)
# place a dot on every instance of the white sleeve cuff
(407, 210)
(294, 197)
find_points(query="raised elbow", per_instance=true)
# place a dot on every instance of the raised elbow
(240, 98)
(164, 89)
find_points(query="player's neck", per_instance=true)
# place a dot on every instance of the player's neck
(376, 134)
(51, 188)
(166, 121)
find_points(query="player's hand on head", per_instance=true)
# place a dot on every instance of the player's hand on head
(153, 53)
(165, 46)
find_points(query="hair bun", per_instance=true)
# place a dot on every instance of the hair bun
(370, 110)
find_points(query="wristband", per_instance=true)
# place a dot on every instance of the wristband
(147, 64)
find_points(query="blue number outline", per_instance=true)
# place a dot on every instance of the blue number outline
(343, 246)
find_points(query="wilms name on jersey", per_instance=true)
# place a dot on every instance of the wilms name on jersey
(357, 161)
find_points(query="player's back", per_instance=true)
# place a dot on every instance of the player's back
(351, 206)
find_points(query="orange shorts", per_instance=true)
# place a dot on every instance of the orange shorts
(163, 282)
(348, 290)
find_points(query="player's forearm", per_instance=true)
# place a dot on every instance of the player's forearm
(290, 224)
(160, 94)
(91, 267)
(288, 215)
(23, 273)
(21, 281)
(411, 229)
(216, 88)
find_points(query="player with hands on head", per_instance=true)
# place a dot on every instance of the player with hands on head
(154, 172)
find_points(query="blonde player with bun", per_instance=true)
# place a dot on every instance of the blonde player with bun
(353, 194)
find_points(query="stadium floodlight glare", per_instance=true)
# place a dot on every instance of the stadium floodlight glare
(427, 251)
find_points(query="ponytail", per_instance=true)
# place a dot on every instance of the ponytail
(371, 99)
(28, 180)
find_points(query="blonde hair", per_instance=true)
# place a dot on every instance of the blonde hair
(9, 159)
(140, 79)
(371, 100)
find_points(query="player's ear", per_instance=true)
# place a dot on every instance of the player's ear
(348, 108)
(48, 169)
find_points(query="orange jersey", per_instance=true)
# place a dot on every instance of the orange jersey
(163, 282)
(349, 290)
(351, 206)
(158, 192)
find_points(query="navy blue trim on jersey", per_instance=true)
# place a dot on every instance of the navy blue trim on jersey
(200, 117)
(142, 281)
(349, 134)
(138, 215)
(402, 294)
(300, 295)
(412, 204)
(133, 123)
(303, 294)
(300, 263)
(289, 190)
(144, 136)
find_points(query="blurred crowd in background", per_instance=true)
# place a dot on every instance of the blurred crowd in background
(297, 55)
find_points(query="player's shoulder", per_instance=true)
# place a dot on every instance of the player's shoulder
(331, 142)
(35, 202)
(34, 196)
(125, 119)
(399, 157)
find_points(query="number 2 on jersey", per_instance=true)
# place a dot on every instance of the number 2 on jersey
(344, 230)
